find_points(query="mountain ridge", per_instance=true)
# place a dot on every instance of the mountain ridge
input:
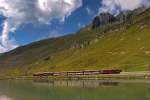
(107, 46)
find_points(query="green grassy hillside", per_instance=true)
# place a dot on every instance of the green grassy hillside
(125, 46)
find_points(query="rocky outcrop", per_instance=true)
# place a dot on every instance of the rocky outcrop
(125, 15)
(103, 19)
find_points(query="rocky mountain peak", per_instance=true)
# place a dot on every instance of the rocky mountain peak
(103, 19)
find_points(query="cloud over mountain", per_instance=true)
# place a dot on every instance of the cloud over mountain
(18, 12)
(115, 6)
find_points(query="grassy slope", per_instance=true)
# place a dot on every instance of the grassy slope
(127, 48)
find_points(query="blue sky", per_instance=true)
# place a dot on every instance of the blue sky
(28, 33)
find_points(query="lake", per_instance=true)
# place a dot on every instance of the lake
(75, 90)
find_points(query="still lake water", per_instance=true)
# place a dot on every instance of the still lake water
(75, 90)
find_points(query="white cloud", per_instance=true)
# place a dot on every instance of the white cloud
(18, 12)
(2, 49)
(80, 25)
(114, 6)
(52, 34)
(55, 33)
(89, 11)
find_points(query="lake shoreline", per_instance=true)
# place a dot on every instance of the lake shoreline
(122, 75)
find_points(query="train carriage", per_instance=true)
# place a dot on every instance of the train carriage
(74, 73)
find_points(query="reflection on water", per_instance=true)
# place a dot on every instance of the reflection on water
(3, 97)
(75, 90)
(77, 83)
